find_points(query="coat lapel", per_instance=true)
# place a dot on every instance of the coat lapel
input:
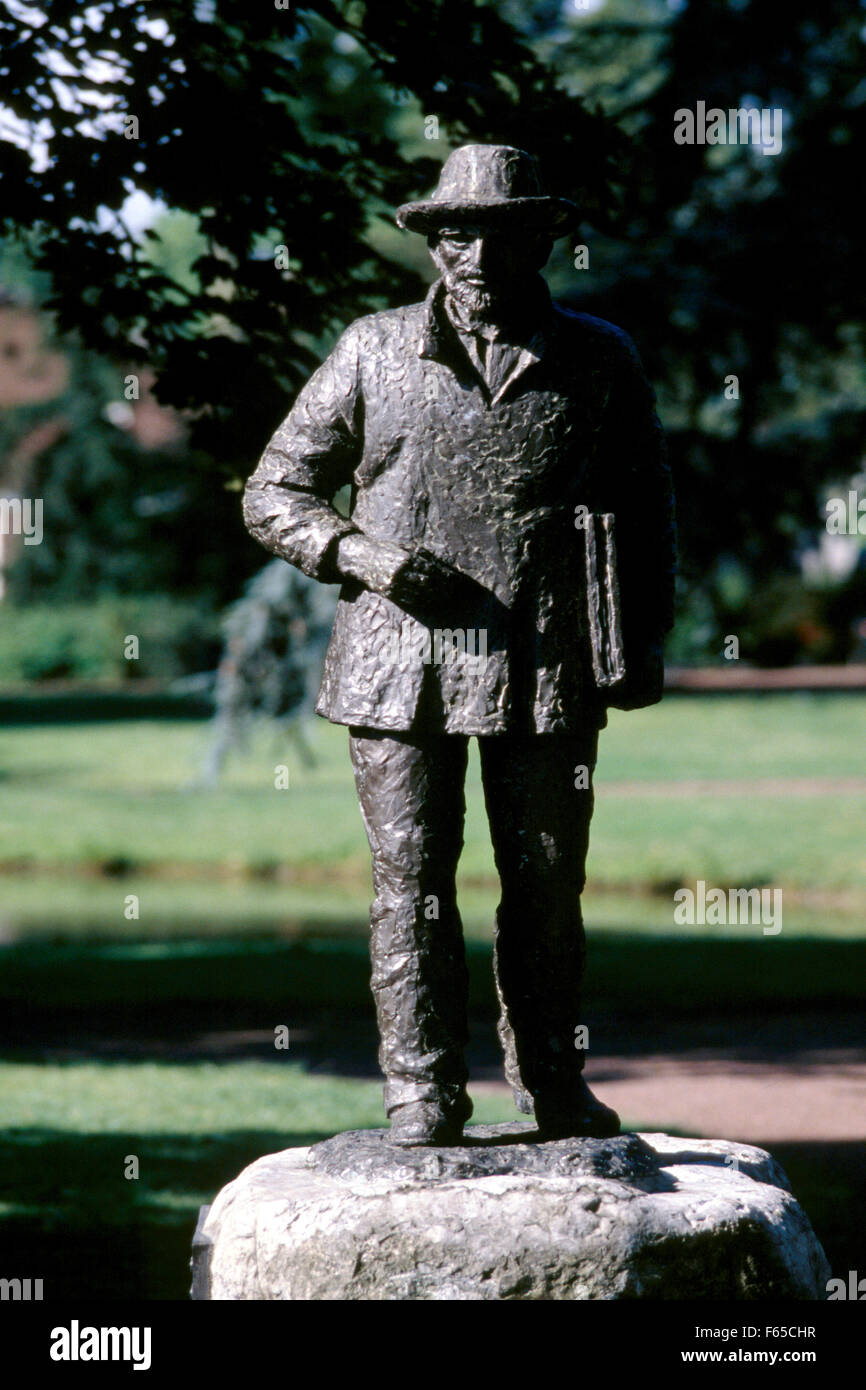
(439, 340)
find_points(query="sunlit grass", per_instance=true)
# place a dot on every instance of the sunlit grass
(123, 1099)
(122, 794)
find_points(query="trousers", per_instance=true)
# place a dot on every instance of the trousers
(539, 800)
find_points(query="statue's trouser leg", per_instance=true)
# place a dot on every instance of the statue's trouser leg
(539, 823)
(413, 806)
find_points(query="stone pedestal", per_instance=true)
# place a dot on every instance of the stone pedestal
(503, 1217)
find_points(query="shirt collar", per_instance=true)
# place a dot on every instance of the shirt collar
(436, 326)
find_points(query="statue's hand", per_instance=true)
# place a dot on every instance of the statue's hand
(644, 682)
(373, 563)
(416, 580)
(426, 584)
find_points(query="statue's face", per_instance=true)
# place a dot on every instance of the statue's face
(483, 266)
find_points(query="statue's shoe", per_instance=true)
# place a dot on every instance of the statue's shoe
(581, 1116)
(427, 1123)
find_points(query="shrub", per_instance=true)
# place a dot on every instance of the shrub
(85, 641)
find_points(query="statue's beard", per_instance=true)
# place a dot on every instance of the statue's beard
(474, 303)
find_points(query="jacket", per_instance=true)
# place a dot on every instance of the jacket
(494, 486)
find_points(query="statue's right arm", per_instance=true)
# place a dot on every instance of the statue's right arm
(287, 502)
(288, 499)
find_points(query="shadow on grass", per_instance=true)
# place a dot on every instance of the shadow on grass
(70, 1218)
(829, 1181)
(73, 1220)
(640, 974)
(220, 999)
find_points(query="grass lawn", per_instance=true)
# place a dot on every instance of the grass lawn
(120, 795)
(252, 905)
(68, 1211)
(104, 1166)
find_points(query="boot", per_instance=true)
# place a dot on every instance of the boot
(429, 1123)
(574, 1114)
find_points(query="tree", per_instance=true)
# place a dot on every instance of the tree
(219, 117)
(733, 263)
(120, 486)
(288, 136)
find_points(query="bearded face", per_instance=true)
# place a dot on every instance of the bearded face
(484, 267)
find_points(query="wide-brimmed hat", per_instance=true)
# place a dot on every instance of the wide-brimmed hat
(489, 183)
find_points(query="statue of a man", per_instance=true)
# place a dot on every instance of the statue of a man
(483, 432)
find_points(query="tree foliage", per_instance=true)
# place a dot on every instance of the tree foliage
(303, 128)
(230, 128)
(733, 262)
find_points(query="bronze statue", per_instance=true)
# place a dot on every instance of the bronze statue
(492, 441)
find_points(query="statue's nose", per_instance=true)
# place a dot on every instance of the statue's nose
(477, 253)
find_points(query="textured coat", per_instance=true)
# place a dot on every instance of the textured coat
(492, 485)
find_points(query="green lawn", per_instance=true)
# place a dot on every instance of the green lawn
(69, 1211)
(121, 1098)
(121, 794)
(252, 906)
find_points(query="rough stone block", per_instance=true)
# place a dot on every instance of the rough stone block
(503, 1217)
